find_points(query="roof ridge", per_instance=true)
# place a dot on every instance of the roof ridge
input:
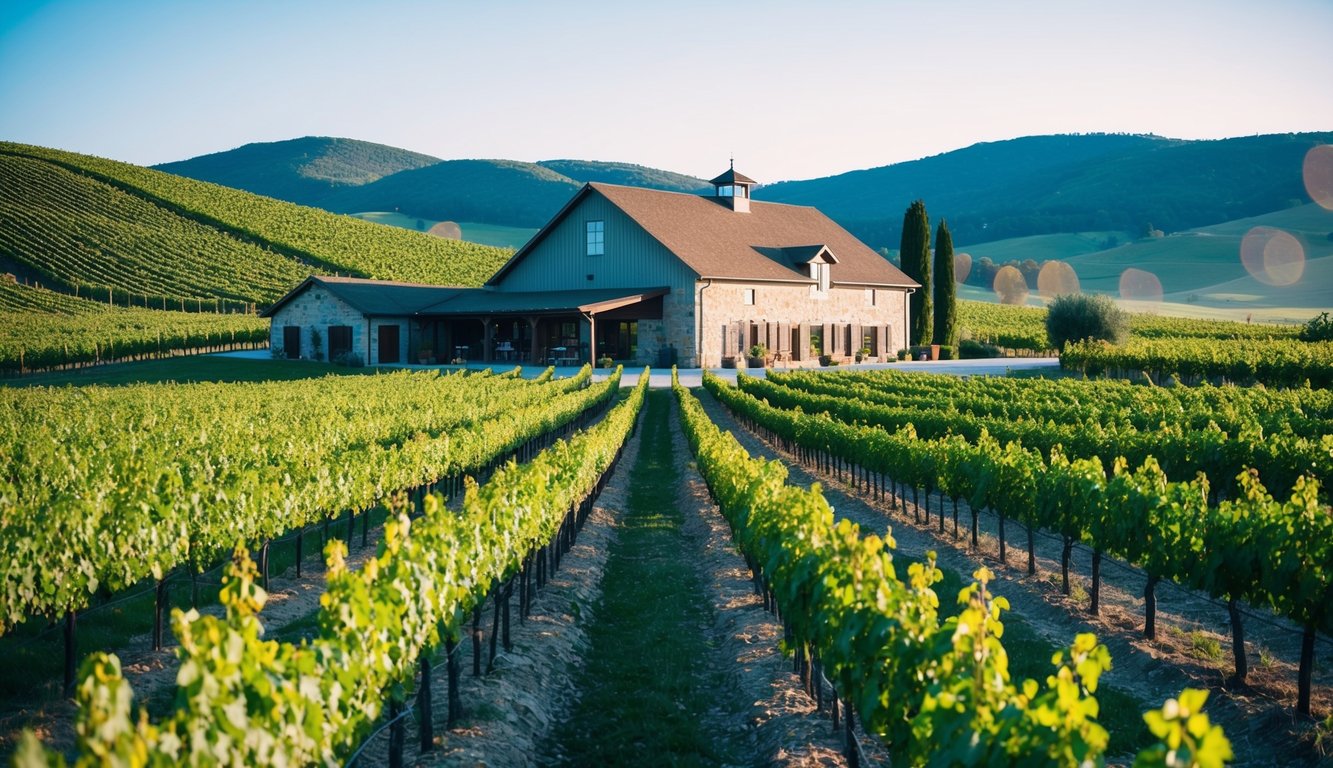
(769, 203)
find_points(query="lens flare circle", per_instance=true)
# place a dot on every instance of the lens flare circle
(962, 267)
(1140, 285)
(1272, 257)
(1056, 278)
(1010, 286)
(1317, 171)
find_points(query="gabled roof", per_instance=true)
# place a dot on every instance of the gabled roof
(373, 298)
(717, 242)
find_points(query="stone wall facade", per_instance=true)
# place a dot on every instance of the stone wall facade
(797, 323)
(315, 309)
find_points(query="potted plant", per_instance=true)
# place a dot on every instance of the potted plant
(827, 360)
(604, 361)
(862, 354)
(758, 356)
(730, 361)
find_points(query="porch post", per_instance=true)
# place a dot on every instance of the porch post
(487, 336)
(532, 339)
(592, 340)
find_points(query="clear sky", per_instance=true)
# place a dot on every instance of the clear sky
(793, 90)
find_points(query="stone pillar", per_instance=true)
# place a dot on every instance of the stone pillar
(802, 351)
(487, 339)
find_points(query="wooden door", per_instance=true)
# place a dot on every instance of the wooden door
(291, 341)
(389, 344)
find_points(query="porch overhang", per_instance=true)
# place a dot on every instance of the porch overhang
(595, 301)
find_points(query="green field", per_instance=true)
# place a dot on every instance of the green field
(1200, 270)
(496, 235)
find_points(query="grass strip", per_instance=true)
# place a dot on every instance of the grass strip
(648, 676)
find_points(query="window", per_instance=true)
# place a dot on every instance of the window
(871, 298)
(596, 238)
(820, 272)
(747, 297)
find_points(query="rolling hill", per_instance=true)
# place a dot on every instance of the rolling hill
(349, 176)
(82, 223)
(493, 191)
(1073, 183)
(1200, 270)
(1034, 185)
(302, 171)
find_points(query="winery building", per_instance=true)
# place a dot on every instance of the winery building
(636, 275)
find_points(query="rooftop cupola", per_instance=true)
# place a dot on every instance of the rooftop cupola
(733, 189)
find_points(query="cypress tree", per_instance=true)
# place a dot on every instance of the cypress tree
(946, 291)
(915, 250)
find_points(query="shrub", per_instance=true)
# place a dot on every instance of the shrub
(1318, 329)
(970, 349)
(1079, 316)
(946, 352)
(902, 354)
(758, 350)
(827, 360)
(349, 359)
(604, 362)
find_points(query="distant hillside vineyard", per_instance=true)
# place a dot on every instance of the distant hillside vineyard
(83, 223)
(41, 329)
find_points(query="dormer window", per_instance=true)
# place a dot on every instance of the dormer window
(596, 238)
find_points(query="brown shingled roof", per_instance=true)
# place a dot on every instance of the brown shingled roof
(717, 242)
(730, 176)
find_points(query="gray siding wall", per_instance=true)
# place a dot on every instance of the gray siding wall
(633, 259)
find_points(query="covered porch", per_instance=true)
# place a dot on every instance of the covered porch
(538, 327)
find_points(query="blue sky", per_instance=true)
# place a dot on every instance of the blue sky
(793, 90)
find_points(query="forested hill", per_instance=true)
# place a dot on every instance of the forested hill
(128, 234)
(304, 170)
(1070, 183)
(990, 191)
(350, 176)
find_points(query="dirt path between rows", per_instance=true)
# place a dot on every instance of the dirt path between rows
(1260, 722)
(509, 713)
